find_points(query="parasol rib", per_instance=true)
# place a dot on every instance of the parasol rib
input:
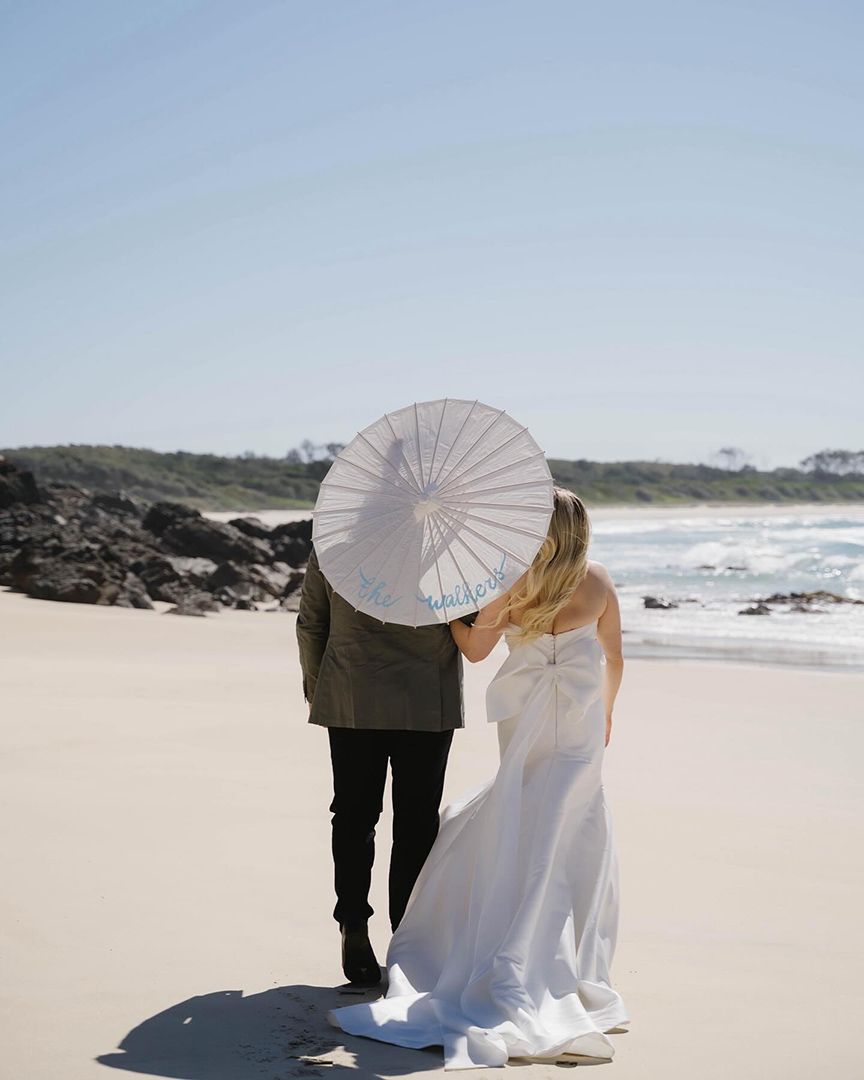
(456, 438)
(397, 577)
(405, 496)
(357, 566)
(437, 567)
(419, 448)
(358, 532)
(511, 506)
(489, 570)
(500, 469)
(398, 441)
(437, 438)
(480, 536)
(459, 478)
(459, 515)
(419, 565)
(388, 462)
(505, 487)
(456, 561)
(378, 479)
(441, 481)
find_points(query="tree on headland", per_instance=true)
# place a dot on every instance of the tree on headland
(732, 458)
(309, 452)
(315, 458)
(835, 462)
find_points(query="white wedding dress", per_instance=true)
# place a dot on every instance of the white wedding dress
(506, 945)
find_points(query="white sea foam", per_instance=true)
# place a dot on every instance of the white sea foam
(714, 567)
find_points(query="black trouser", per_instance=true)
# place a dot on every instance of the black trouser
(360, 756)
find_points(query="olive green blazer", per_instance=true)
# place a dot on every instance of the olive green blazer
(361, 673)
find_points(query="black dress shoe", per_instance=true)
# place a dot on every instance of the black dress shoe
(358, 957)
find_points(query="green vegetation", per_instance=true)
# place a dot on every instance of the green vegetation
(658, 483)
(205, 481)
(250, 482)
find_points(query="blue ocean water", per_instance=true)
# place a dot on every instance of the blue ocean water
(714, 562)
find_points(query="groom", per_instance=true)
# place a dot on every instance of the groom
(388, 694)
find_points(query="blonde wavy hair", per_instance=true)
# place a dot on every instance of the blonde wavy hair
(559, 567)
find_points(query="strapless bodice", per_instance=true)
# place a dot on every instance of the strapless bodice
(551, 645)
(571, 661)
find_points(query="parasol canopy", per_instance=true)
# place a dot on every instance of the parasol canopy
(432, 512)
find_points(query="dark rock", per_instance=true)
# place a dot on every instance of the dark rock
(194, 604)
(258, 582)
(252, 526)
(227, 597)
(296, 530)
(19, 525)
(736, 567)
(49, 561)
(192, 568)
(70, 588)
(17, 486)
(757, 609)
(292, 550)
(815, 596)
(167, 577)
(706, 566)
(245, 605)
(226, 574)
(77, 575)
(213, 540)
(659, 603)
(158, 575)
(162, 515)
(275, 580)
(59, 541)
(291, 603)
(67, 504)
(130, 593)
(117, 502)
(294, 583)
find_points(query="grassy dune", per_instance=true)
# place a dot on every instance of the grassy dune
(210, 481)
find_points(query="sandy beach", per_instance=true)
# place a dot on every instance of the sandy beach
(167, 901)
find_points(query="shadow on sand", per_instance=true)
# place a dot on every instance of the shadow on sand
(273, 1035)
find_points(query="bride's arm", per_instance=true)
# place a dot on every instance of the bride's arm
(609, 636)
(477, 641)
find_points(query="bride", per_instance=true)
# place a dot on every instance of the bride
(506, 945)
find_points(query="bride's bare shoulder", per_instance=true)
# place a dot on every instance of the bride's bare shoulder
(598, 572)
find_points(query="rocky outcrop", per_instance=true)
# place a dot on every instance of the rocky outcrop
(755, 609)
(59, 542)
(800, 602)
(194, 604)
(815, 596)
(252, 526)
(17, 487)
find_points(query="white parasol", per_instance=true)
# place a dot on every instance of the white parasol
(432, 512)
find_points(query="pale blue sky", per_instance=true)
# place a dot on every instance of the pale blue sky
(230, 226)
